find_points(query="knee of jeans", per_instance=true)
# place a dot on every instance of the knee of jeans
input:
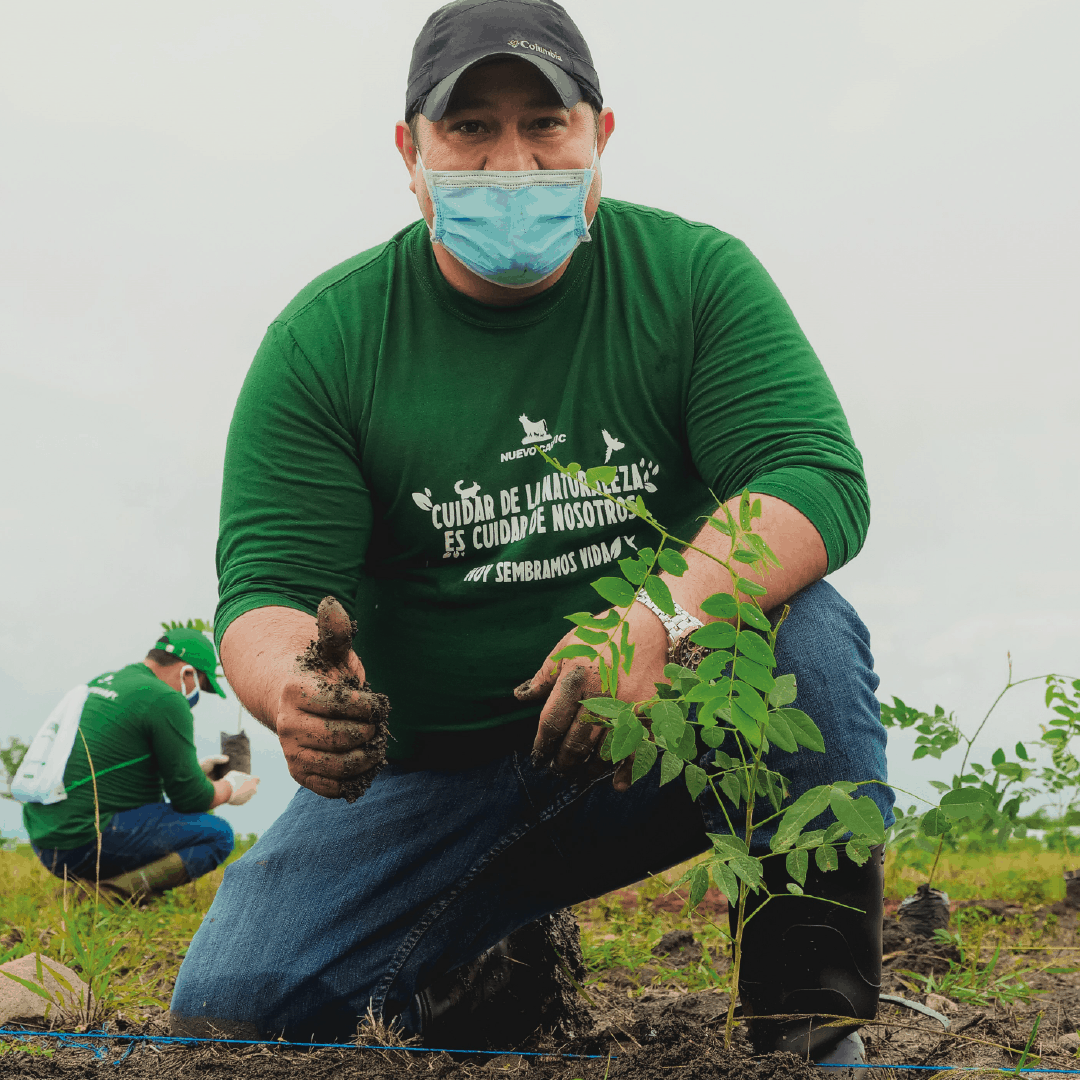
(222, 840)
(822, 626)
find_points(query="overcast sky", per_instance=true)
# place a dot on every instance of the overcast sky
(907, 171)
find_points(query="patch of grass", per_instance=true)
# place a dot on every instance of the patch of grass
(620, 930)
(152, 941)
(1024, 871)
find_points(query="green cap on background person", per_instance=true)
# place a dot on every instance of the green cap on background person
(195, 648)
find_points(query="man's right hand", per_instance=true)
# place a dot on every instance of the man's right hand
(332, 729)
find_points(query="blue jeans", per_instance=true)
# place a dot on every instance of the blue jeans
(136, 837)
(339, 907)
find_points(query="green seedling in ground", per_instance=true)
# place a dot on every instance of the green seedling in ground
(741, 709)
(984, 802)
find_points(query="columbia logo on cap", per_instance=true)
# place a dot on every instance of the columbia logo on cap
(516, 42)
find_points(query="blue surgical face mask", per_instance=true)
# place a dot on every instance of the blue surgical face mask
(510, 228)
(193, 697)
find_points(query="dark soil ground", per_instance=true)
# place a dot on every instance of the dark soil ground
(651, 1031)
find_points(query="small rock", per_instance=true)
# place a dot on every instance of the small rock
(1068, 1043)
(941, 1004)
(19, 1003)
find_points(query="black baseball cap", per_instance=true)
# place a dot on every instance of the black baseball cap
(465, 32)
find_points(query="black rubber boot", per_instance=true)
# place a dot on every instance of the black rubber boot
(802, 955)
(508, 992)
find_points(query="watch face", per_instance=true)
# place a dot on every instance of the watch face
(684, 652)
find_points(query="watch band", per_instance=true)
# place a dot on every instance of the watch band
(676, 625)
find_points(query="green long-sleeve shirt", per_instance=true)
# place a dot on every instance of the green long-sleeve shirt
(129, 715)
(383, 448)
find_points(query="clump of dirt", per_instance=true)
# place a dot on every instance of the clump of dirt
(675, 1043)
(338, 687)
(677, 948)
(925, 911)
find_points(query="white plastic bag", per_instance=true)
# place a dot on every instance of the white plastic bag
(40, 778)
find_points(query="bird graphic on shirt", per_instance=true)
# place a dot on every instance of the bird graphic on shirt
(613, 444)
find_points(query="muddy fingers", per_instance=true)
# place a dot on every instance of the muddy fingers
(341, 695)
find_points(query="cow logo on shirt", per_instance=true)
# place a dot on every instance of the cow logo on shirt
(535, 430)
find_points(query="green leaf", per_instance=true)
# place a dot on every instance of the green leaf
(699, 884)
(730, 786)
(856, 852)
(605, 747)
(826, 857)
(794, 889)
(606, 707)
(754, 674)
(628, 736)
(633, 570)
(572, 469)
(660, 594)
(749, 700)
(810, 839)
(647, 555)
(752, 615)
(934, 823)
(748, 870)
(965, 802)
(722, 605)
(567, 652)
(861, 816)
(719, 526)
(687, 745)
(802, 811)
(726, 845)
(715, 635)
(600, 474)
(712, 667)
(998, 757)
(756, 648)
(745, 725)
(583, 618)
(784, 692)
(750, 588)
(713, 736)
(1021, 752)
(673, 562)
(696, 780)
(744, 556)
(804, 729)
(725, 880)
(707, 691)
(835, 830)
(671, 765)
(778, 731)
(593, 637)
(668, 724)
(744, 510)
(797, 863)
(615, 591)
(644, 760)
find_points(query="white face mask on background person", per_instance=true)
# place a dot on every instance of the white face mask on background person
(513, 229)
(193, 697)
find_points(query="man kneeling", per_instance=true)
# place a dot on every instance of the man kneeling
(120, 740)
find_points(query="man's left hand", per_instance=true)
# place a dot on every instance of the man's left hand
(563, 737)
(207, 764)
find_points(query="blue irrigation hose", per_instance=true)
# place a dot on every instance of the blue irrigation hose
(69, 1038)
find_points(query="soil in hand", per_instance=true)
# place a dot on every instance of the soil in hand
(238, 748)
(326, 657)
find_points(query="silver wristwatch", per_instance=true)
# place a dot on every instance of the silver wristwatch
(677, 624)
(681, 650)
